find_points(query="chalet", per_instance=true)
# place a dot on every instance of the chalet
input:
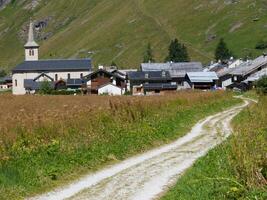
(177, 71)
(105, 82)
(202, 80)
(151, 82)
(28, 76)
(234, 77)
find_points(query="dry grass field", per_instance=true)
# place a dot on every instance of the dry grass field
(48, 140)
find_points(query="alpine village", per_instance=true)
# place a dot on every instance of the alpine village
(133, 100)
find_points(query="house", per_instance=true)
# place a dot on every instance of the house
(151, 82)
(254, 78)
(177, 71)
(28, 76)
(202, 80)
(5, 83)
(234, 77)
(103, 81)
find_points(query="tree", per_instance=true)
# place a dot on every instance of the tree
(148, 55)
(45, 87)
(177, 52)
(222, 52)
(261, 85)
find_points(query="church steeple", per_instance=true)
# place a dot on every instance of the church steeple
(31, 47)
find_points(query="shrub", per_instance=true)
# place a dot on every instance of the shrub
(262, 85)
(45, 88)
(261, 45)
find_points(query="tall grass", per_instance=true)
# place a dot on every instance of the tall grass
(48, 140)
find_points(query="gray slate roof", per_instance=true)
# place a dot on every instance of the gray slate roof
(53, 65)
(34, 85)
(202, 77)
(247, 67)
(176, 70)
(149, 75)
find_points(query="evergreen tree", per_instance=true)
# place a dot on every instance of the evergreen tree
(222, 52)
(177, 52)
(148, 56)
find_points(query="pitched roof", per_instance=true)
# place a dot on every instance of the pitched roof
(53, 66)
(247, 67)
(111, 74)
(202, 77)
(258, 75)
(149, 75)
(175, 69)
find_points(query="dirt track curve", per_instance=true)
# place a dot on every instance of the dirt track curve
(146, 176)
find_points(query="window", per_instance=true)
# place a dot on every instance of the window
(81, 75)
(32, 52)
(68, 76)
(56, 77)
(146, 76)
(16, 82)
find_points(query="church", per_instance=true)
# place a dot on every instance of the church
(28, 76)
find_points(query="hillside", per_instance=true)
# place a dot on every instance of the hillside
(119, 30)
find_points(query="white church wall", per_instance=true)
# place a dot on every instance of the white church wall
(18, 89)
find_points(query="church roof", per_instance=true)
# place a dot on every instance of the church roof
(54, 66)
(31, 42)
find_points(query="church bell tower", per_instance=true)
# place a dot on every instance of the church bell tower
(31, 47)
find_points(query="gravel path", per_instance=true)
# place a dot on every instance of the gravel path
(147, 176)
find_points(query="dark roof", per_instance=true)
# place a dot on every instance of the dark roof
(6, 79)
(176, 70)
(54, 65)
(160, 86)
(111, 74)
(149, 75)
(30, 84)
(74, 82)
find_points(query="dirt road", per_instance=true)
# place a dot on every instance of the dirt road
(146, 176)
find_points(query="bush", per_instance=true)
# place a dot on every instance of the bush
(261, 45)
(65, 92)
(262, 85)
(45, 88)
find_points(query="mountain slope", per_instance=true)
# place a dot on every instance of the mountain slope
(119, 30)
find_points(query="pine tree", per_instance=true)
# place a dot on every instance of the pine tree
(177, 52)
(222, 52)
(148, 55)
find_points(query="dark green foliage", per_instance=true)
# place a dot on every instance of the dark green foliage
(222, 52)
(262, 85)
(261, 45)
(177, 52)
(2, 73)
(148, 55)
(65, 92)
(45, 88)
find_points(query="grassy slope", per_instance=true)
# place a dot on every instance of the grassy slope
(232, 170)
(119, 30)
(32, 166)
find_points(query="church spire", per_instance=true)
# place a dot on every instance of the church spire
(31, 42)
(31, 47)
